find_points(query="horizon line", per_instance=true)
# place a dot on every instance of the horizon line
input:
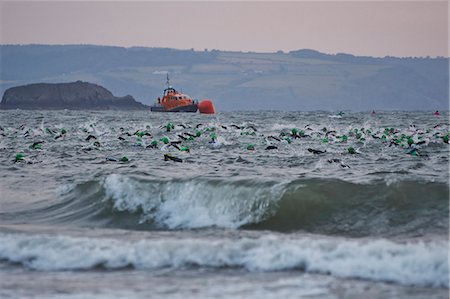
(230, 51)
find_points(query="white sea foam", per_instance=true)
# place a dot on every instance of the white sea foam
(193, 203)
(424, 264)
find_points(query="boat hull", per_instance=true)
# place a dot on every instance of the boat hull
(188, 108)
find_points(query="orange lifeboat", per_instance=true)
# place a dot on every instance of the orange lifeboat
(175, 101)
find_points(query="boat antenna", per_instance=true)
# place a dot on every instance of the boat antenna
(167, 80)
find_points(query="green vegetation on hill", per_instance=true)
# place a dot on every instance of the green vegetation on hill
(299, 80)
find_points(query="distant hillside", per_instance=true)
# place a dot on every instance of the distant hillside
(299, 80)
(76, 95)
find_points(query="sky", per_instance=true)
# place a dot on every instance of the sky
(374, 28)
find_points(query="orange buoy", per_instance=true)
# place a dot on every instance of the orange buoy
(207, 107)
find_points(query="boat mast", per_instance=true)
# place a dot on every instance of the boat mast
(168, 81)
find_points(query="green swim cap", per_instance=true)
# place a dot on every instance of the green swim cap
(19, 157)
(124, 159)
(351, 150)
(36, 146)
(169, 127)
(165, 140)
(414, 153)
(250, 147)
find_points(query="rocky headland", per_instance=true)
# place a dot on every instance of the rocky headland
(74, 95)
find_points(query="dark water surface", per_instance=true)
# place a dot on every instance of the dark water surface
(305, 219)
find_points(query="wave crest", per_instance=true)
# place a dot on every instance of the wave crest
(193, 203)
(323, 206)
(380, 260)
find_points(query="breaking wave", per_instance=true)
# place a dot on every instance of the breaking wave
(325, 206)
(424, 264)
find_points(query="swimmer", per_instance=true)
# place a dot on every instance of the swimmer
(90, 137)
(175, 146)
(153, 144)
(271, 147)
(37, 145)
(190, 135)
(316, 152)
(274, 138)
(168, 157)
(338, 161)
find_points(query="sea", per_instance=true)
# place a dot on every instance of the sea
(262, 204)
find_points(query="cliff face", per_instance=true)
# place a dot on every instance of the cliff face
(75, 95)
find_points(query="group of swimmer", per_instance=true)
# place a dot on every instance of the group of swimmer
(181, 138)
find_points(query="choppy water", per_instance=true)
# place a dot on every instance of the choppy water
(305, 219)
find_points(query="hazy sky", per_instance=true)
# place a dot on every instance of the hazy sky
(378, 28)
